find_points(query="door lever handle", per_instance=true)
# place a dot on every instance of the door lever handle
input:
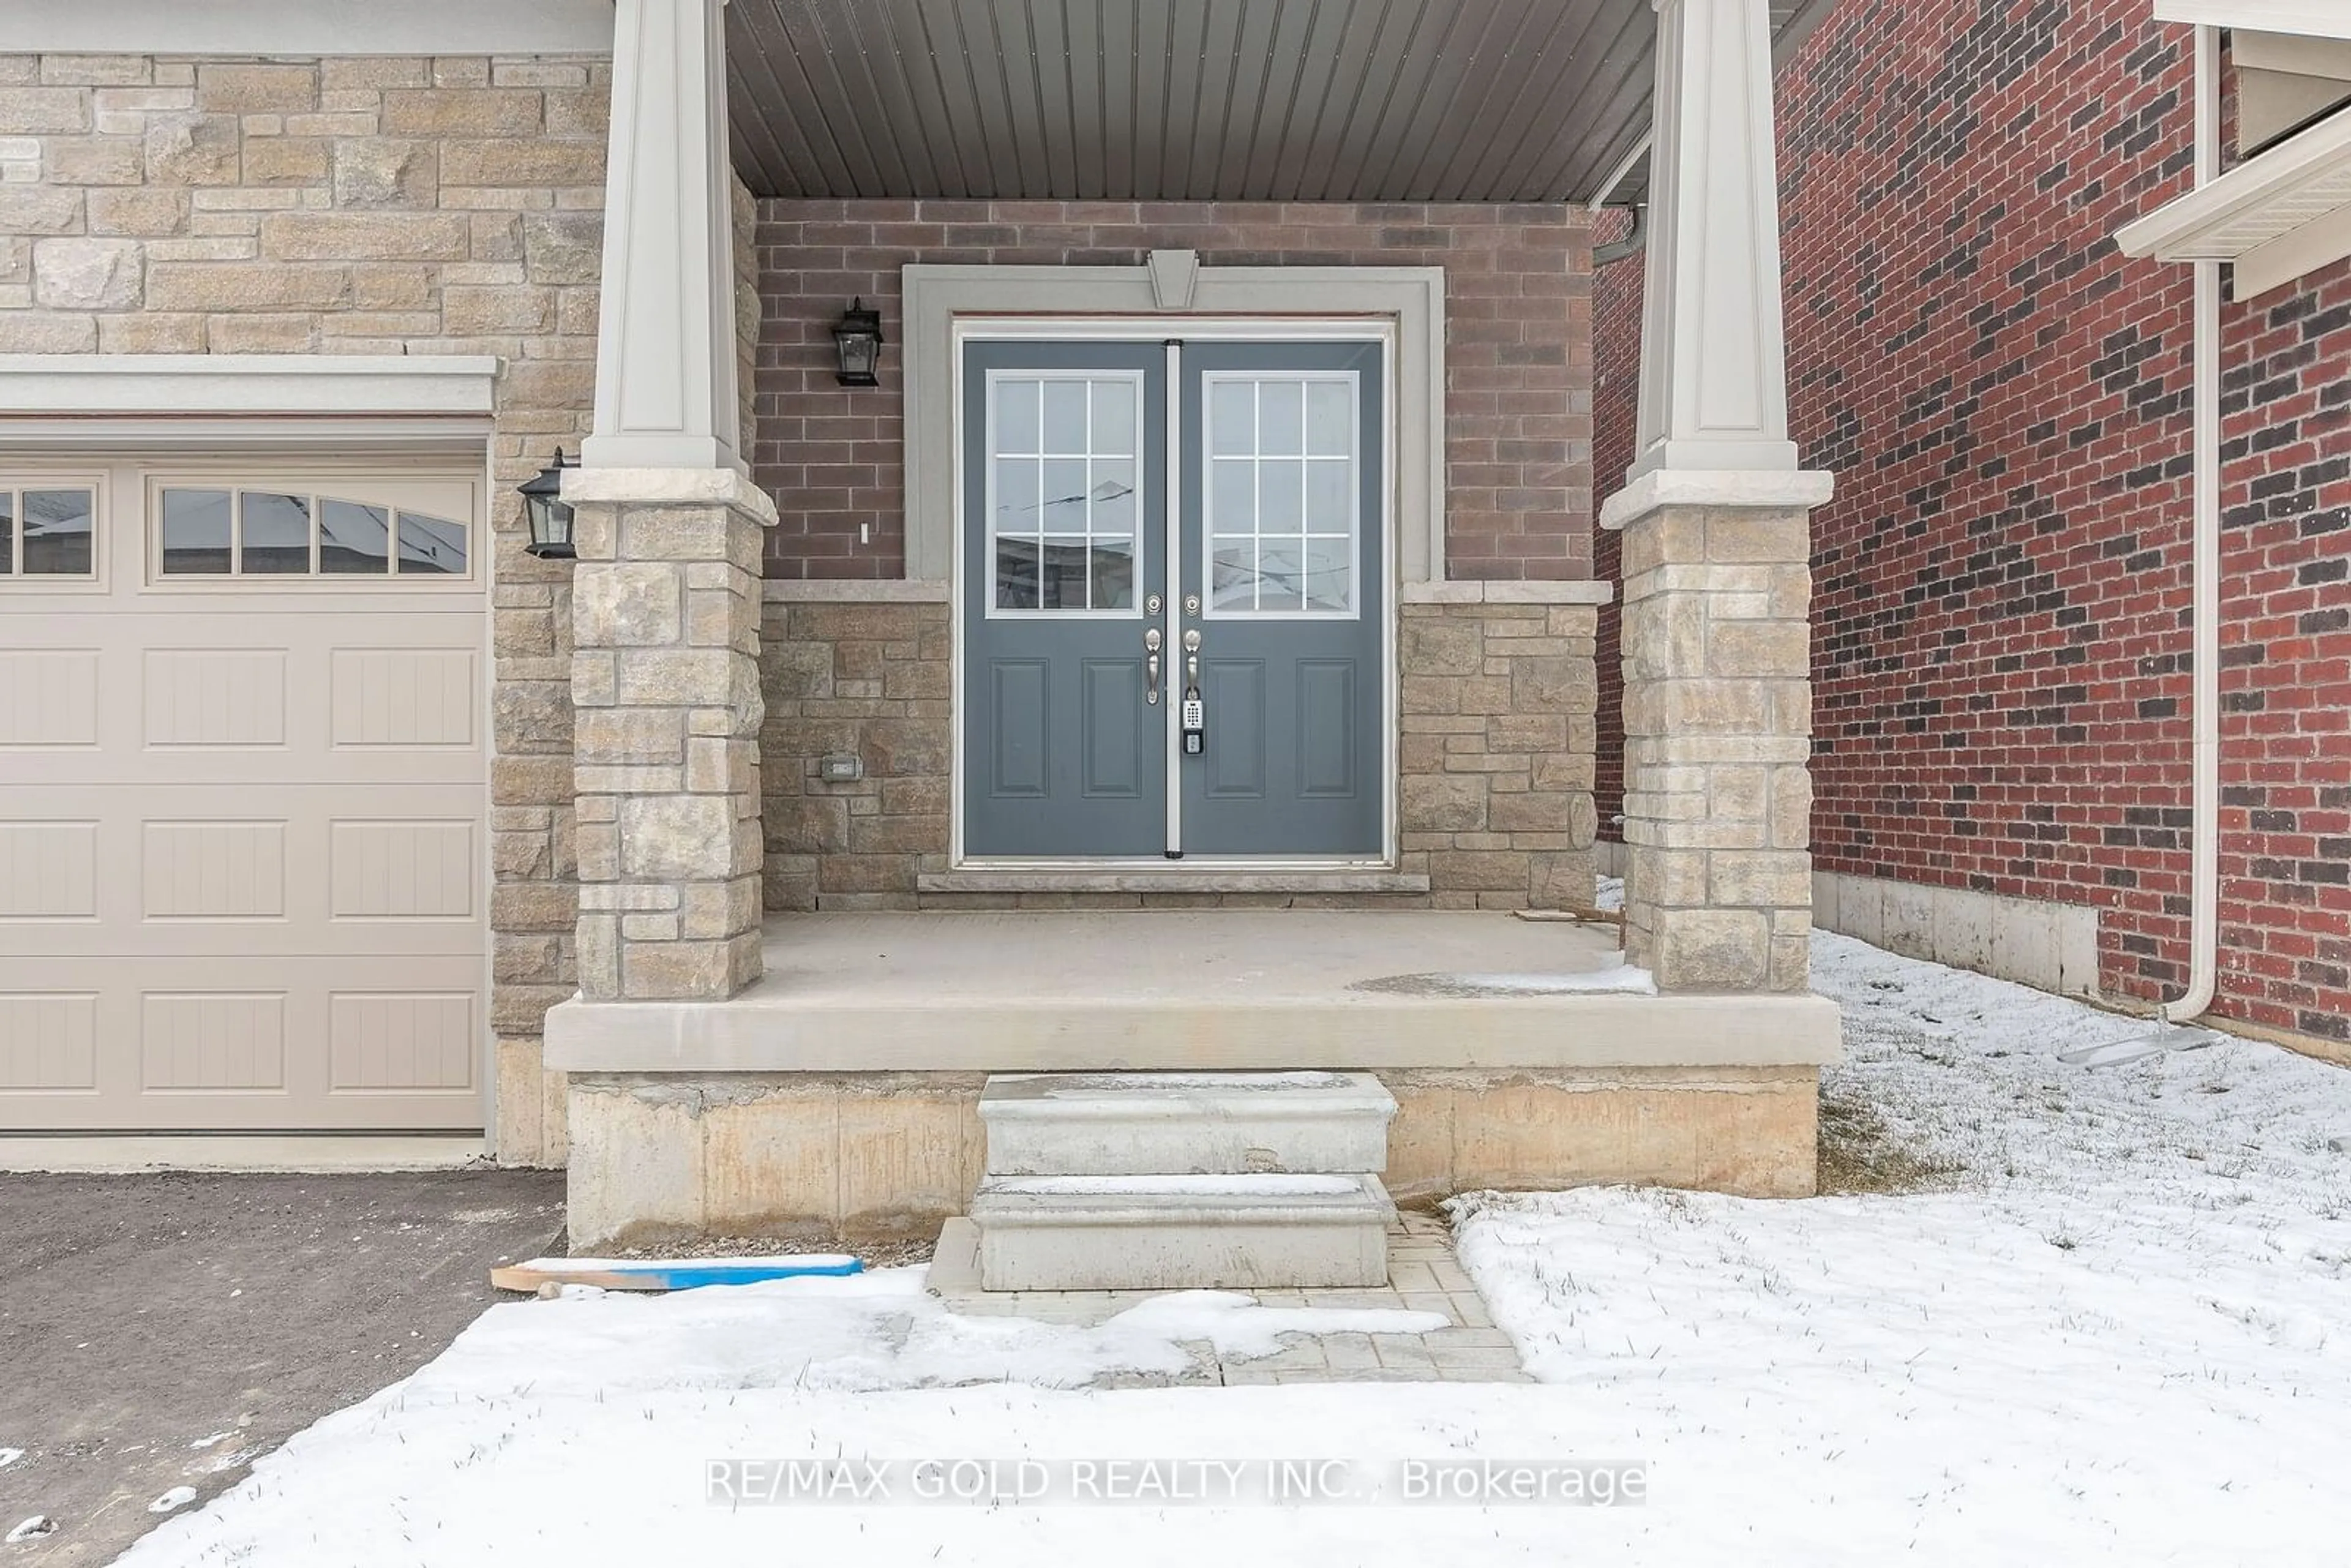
(1151, 667)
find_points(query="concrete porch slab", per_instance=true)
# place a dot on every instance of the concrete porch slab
(1003, 991)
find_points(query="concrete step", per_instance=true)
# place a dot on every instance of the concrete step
(1204, 1123)
(1187, 1232)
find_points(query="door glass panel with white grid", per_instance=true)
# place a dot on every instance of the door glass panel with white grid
(1175, 662)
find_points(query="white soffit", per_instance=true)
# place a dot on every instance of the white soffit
(287, 28)
(2315, 19)
(83, 385)
(2277, 215)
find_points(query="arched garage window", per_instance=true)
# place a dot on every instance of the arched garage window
(206, 531)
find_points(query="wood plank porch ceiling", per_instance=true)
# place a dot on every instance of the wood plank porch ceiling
(1288, 100)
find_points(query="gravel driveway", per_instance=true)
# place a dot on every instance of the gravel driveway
(161, 1331)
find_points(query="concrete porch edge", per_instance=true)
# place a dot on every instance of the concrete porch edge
(1005, 992)
(763, 1031)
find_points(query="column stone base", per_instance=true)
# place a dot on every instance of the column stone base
(665, 689)
(1717, 641)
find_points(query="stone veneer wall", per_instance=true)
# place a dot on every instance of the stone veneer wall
(1497, 753)
(869, 677)
(356, 206)
(1495, 758)
(870, 1156)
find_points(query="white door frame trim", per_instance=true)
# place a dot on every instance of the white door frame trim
(1394, 552)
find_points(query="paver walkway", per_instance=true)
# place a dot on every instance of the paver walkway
(1423, 1276)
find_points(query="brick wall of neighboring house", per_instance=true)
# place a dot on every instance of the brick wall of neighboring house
(2003, 579)
(1517, 423)
(356, 206)
(1617, 293)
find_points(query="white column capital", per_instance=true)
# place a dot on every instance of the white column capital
(665, 390)
(1714, 371)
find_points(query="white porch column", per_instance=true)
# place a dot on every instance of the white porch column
(666, 392)
(665, 598)
(1717, 545)
(1714, 372)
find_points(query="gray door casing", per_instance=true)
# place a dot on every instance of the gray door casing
(1062, 755)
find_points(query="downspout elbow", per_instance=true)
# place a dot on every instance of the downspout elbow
(1636, 240)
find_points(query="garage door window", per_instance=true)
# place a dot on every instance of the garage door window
(208, 532)
(45, 532)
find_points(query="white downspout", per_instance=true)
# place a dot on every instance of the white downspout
(2204, 700)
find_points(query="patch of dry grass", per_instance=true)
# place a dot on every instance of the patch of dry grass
(1860, 1153)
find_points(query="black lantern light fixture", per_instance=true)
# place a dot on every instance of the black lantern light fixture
(857, 339)
(550, 515)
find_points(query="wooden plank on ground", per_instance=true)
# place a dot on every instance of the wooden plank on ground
(666, 1273)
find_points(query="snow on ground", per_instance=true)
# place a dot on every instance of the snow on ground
(2116, 1327)
(2125, 1324)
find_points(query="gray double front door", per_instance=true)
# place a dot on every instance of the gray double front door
(1190, 668)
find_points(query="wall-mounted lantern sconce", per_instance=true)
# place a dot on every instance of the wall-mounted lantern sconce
(857, 338)
(551, 517)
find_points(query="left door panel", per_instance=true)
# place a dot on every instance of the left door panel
(1064, 451)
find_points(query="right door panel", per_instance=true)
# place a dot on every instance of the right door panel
(1282, 542)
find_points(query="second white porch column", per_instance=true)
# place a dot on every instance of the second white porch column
(1717, 540)
(665, 598)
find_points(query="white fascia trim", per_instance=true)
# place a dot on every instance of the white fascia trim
(2277, 215)
(83, 385)
(2314, 18)
(310, 29)
(2291, 54)
(1763, 489)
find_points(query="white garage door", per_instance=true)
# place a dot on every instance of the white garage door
(242, 797)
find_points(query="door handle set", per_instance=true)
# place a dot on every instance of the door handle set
(1193, 720)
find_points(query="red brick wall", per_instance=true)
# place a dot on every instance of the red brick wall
(1518, 353)
(2001, 643)
(1617, 293)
